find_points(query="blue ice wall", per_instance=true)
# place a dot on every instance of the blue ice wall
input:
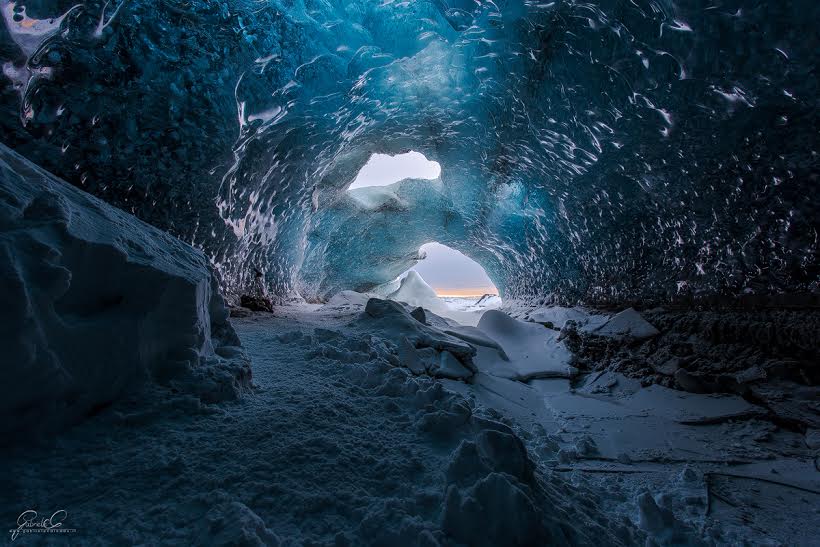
(600, 150)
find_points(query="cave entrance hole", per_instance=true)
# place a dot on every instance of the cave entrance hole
(448, 283)
(451, 273)
(383, 170)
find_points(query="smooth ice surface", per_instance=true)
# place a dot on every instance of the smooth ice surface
(96, 303)
(593, 151)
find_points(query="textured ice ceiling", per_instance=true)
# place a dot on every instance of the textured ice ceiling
(597, 150)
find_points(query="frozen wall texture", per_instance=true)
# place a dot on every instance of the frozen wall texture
(605, 150)
(96, 303)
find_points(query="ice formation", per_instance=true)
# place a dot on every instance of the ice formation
(96, 303)
(587, 150)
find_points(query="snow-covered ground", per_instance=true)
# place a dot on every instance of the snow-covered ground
(342, 444)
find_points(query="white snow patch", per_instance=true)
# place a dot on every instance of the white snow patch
(627, 323)
(557, 316)
(415, 291)
(533, 351)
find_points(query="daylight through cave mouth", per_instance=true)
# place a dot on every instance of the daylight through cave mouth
(451, 273)
(384, 170)
(447, 283)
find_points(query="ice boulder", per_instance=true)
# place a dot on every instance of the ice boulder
(95, 302)
(421, 348)
(530, 350)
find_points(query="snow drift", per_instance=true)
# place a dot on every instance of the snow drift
(415, 291)
(95, 302)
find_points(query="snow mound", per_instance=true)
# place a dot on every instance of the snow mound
(557, 316)
(422, 348)
(627, 324)
(531, 350)
(95, 302)
(415, 291)
(347, 299)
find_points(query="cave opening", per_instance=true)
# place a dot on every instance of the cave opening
(451, 273)
(448, 283)
(384, 169)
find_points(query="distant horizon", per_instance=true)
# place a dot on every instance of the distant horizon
(451, 273)
(465, 292)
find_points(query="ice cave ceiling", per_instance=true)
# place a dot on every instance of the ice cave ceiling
(594, 150)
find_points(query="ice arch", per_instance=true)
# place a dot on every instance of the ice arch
(619, 149)
(369, 236)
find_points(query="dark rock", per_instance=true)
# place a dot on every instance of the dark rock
(691, 383)
(419, 315)
(376, 307)
(718, 350)
(239, 312)
(667, 368)
(256, 303)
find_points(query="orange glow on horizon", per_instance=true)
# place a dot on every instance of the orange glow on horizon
(468, 291)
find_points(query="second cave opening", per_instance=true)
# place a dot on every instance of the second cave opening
(446, 282)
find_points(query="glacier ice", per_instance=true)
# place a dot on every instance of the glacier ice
(596, 151)
(96, 303)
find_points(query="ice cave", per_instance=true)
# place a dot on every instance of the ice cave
(409, 273)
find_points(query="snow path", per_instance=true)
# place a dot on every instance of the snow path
(336, 447)
(315, 452)
(326, 452)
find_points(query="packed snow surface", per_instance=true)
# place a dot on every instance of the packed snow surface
(531, 350)
(342, 443)
(95, 303)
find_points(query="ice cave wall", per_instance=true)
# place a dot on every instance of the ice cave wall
(601, 150)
